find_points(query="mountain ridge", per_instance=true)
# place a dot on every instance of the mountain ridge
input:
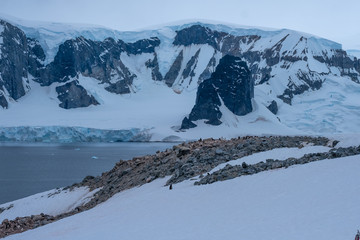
(283, 66)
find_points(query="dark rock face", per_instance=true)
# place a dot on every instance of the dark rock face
(172, 74)
(198, 34)
(207, 104)
(142, 46)
(3, 102)
(13, 60)
(341, 60)
(232, 79)
(312, 80)
(63, 67)
(231, 84)
(36, 57)
(121, 87)
(154, 66)
(273, 107)
(272, 55)
(190, 66)
(100, 60)
(93, 59)
(73, 95)
(187, 124)
(210, 68)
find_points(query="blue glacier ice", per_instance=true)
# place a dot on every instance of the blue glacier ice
(60, 134)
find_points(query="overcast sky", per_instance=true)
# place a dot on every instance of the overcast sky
(333, 19)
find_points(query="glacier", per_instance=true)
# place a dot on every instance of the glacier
(62, 134)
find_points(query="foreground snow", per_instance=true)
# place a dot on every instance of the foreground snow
(318, 201)
(53, 202)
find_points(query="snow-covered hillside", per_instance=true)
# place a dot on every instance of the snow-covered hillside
(318, 201)
(147, 80)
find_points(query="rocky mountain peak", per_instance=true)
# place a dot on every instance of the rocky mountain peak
(197, 34)
(13, 63)
(230, 85)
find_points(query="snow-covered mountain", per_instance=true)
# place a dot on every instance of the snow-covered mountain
(93, 77)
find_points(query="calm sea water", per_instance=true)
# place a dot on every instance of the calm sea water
(26, 169)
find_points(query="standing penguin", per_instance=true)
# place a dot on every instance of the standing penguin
(357, 237)
(170, 188)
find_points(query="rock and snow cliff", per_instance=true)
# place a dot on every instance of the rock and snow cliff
(149, 79)
(230, 85)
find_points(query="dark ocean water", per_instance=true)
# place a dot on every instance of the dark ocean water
(26, 169)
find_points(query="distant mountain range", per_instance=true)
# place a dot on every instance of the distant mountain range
(92, 77)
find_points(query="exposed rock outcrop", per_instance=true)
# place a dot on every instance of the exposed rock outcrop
(73, 95)
(231, 85)
(13, 60)
(273, 107)
(154, 66)
(198, 34)
(187, 124)
(190, 66)
(141, 46)
(36, 57)
(230, 172)
(99, 60)
(174, 70)
(3, 101)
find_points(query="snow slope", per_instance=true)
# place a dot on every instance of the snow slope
(332, 109)
(281, 204)
(53, 202)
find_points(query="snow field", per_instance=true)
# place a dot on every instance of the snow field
(332, 109)
(53, 202)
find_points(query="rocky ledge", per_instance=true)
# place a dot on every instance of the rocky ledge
(230, 172)
(183, 162)
(22, 224)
